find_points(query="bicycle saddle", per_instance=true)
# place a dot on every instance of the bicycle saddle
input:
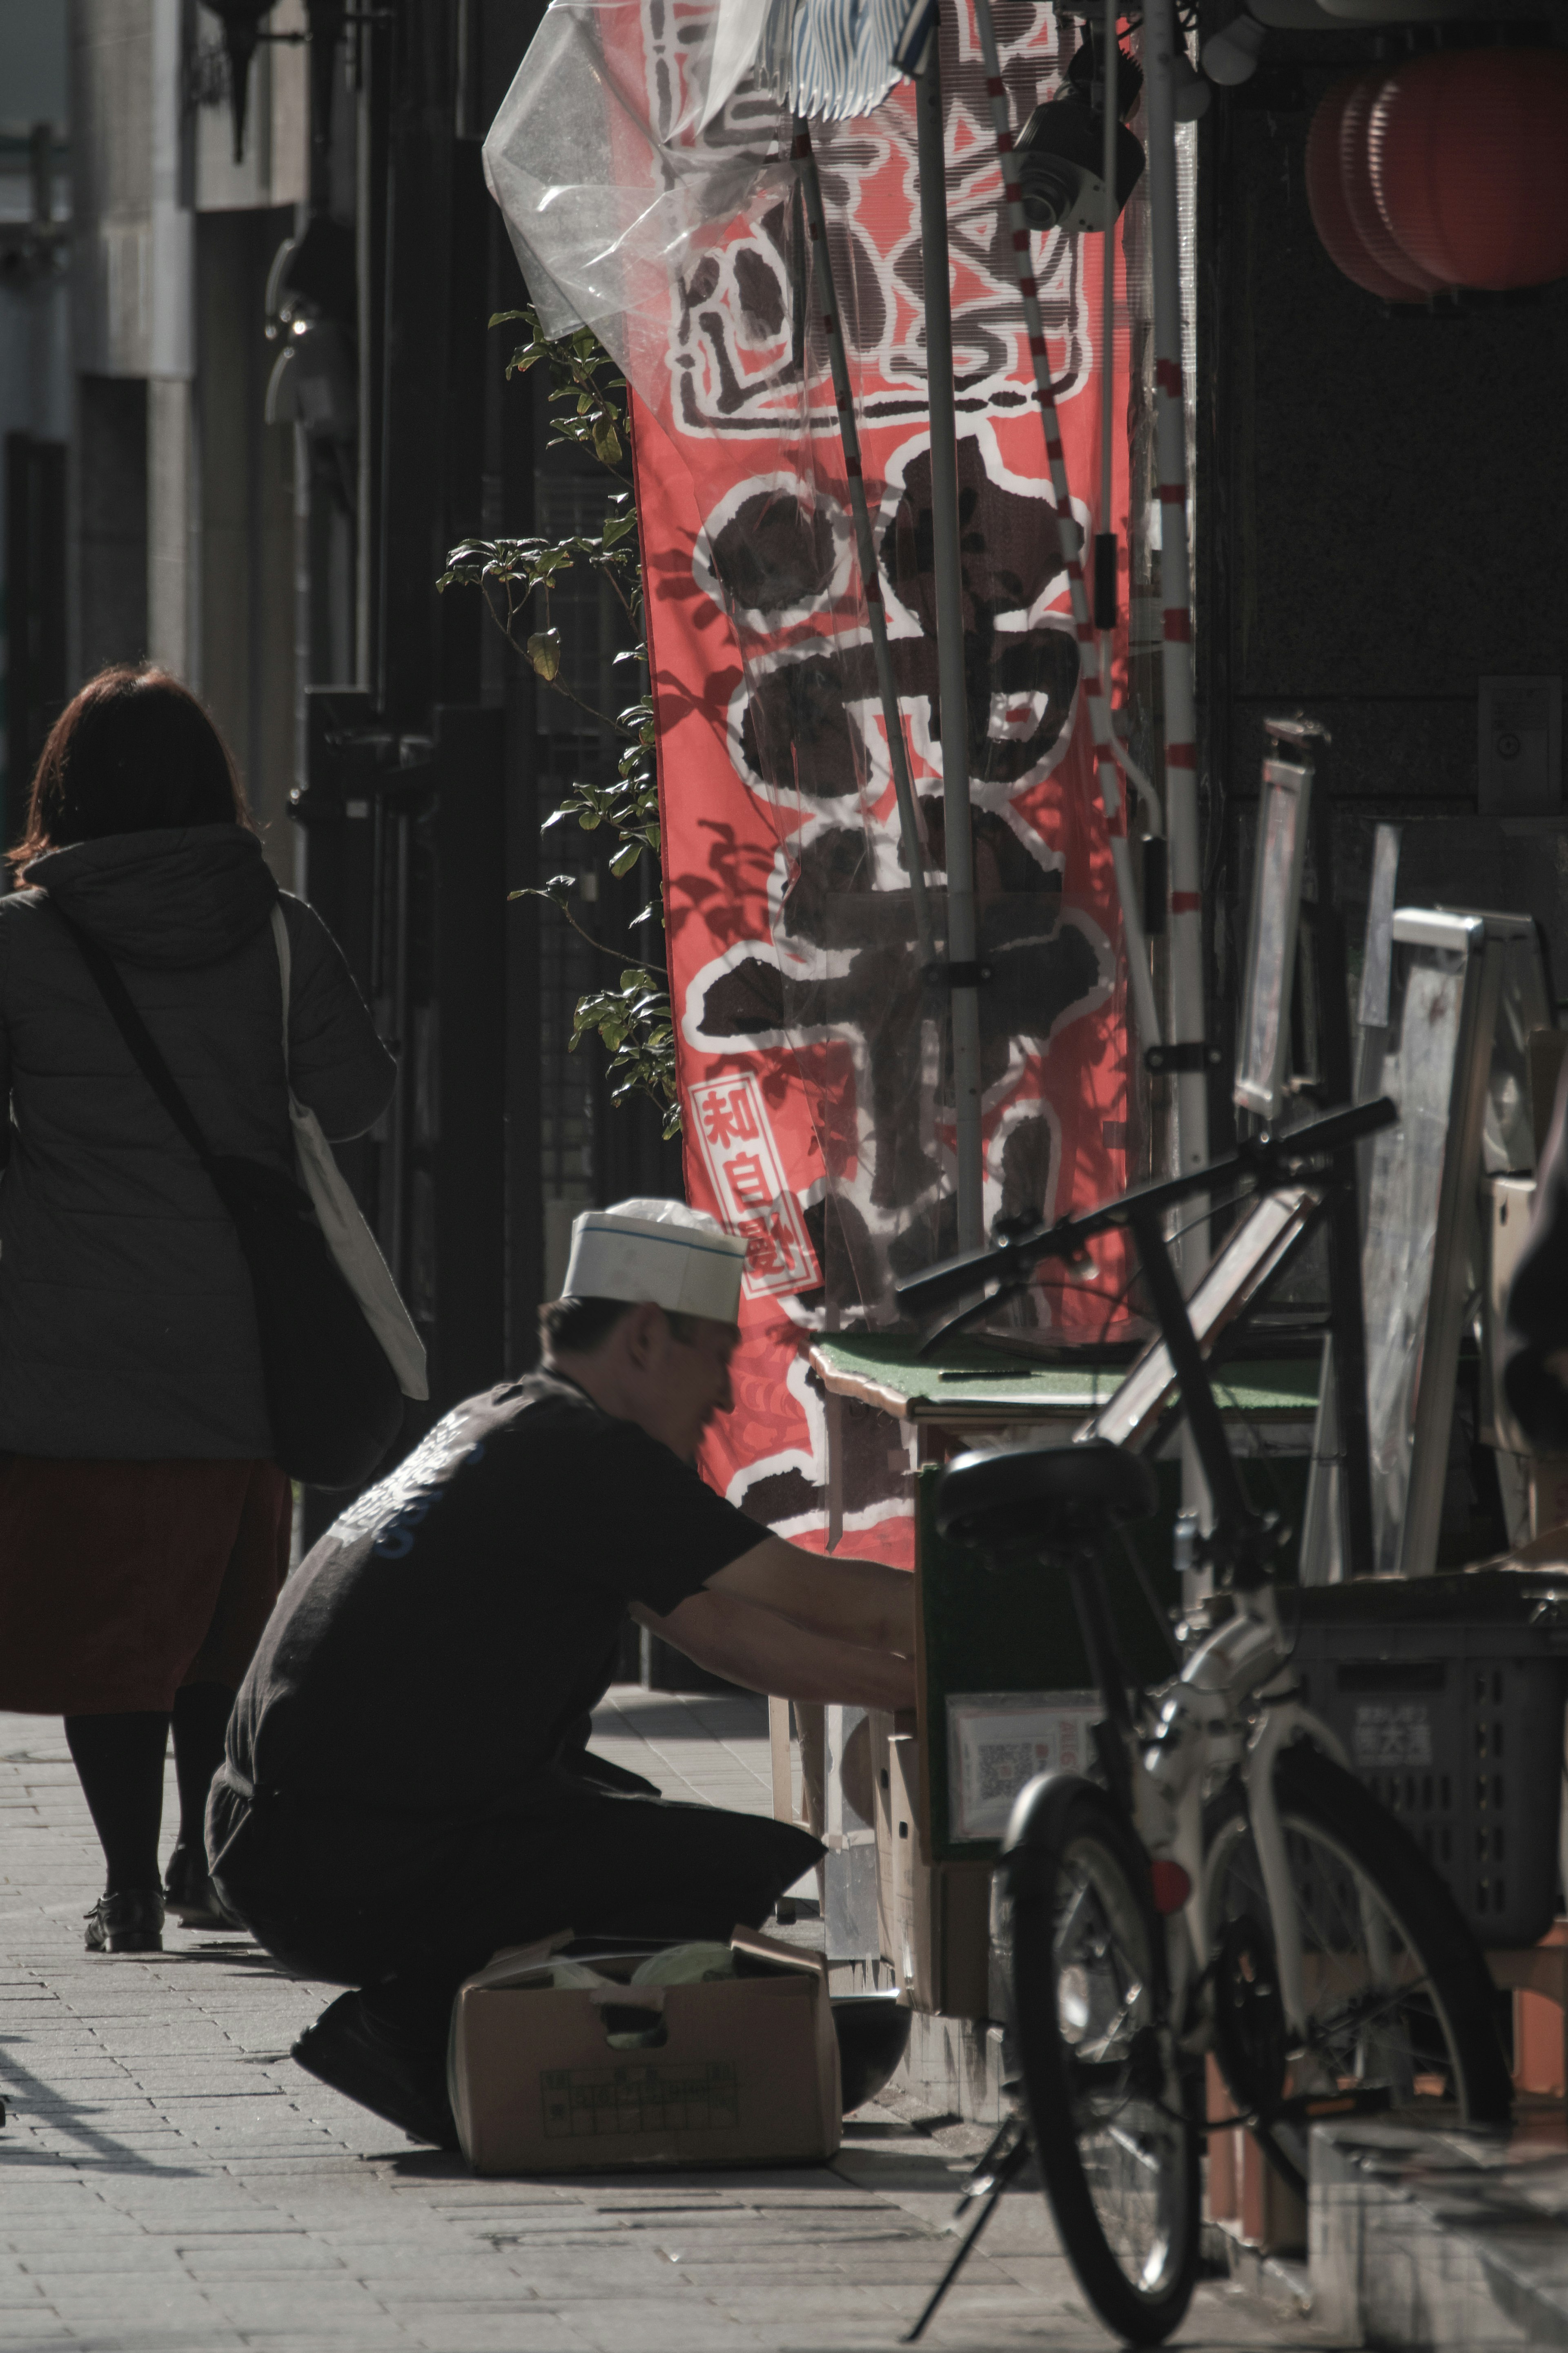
(1044, 1495)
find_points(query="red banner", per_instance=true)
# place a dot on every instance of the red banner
(813, 1055)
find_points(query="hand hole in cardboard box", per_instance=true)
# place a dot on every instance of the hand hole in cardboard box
(635, 2022)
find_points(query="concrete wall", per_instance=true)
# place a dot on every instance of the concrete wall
(183, 496)
(35, 359)
(111, 109)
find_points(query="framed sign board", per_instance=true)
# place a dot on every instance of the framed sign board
(1264, 1039)
(1325, 1528)
(1465, 991)
(1258, 1245)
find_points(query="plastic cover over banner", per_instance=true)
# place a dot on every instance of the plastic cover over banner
(813, 1051)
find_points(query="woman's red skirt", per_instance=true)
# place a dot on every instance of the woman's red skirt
(120, 1581)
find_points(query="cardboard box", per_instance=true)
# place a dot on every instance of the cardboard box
(742, 2072)
(934, 1921)
(1548, 1481)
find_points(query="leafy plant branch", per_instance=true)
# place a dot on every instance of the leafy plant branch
(509, 573)
(559, 892)
(634, 1021)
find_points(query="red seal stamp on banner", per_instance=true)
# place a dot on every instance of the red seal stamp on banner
(731, 1122)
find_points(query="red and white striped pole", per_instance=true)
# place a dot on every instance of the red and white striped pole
(1186, 935)
(1073, 542)
(805, 160)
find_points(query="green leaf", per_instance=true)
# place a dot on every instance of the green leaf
(586, 397)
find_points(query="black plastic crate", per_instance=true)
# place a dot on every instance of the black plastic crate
(1448, 1692)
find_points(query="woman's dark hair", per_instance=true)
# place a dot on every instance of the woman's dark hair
(132, 753)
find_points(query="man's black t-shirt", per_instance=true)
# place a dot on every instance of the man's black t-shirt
(450, 1630)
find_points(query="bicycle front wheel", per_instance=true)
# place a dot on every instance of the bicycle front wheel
(1112, 2127)
(1398, 1996)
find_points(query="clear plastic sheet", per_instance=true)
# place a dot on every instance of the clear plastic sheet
(608, 183)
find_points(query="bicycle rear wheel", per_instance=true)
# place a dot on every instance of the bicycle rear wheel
(1398, 1995)
(1112, 2126)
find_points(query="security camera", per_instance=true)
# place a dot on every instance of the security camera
(1061, 148)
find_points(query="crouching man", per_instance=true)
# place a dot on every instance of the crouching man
(408, 1788)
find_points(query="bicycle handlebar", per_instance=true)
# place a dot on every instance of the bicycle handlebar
(1270, 1161)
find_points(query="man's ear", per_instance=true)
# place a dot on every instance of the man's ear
(643, 1328)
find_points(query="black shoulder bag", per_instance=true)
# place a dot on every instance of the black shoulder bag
(333, 1399)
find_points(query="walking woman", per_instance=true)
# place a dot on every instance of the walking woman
(143, 1526)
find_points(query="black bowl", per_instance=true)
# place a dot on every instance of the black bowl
(873, 2032)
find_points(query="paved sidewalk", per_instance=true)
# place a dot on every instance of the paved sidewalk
(169, 2181)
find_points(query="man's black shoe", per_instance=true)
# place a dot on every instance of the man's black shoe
(345, 2050)
(190, 1895)
(131, 1922)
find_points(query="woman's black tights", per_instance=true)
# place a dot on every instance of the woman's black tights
(119, 1762)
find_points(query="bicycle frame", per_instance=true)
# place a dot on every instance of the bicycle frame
(1233, 1705)
(1170, 1817)
(1164, 1780)
(1235, 1677)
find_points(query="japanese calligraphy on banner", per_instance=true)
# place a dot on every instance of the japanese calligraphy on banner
(813, 1051)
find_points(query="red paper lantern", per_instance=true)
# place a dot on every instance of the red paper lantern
(1361, 201)
(1326, 198)
(1468, 153)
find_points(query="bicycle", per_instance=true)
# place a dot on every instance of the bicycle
(1222, 1885)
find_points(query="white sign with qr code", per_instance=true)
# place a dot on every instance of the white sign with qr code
(998, 1741)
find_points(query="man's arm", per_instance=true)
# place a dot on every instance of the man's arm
(863, 1602)
(765, 1651)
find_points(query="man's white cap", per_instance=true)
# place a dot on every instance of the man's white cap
(677, 1257)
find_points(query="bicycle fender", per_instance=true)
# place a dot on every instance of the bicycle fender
(1036, 1823)
(1299, 1721)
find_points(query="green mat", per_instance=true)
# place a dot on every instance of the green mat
(973, 1379)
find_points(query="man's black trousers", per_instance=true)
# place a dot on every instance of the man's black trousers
(407, 1908)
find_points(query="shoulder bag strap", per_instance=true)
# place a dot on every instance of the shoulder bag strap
(285, 970)
(138, 1040)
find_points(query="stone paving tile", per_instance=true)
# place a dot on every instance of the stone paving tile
(439, 2331)
(170, 2183)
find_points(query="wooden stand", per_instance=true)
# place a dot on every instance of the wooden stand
(1537, 1979)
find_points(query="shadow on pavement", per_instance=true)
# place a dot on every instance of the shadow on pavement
(26, 2092)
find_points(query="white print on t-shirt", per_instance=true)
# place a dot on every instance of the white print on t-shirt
(395, 1508)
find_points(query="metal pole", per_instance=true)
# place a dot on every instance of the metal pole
(1089, 682)
(963, 948)
(987, 2183)
(871, 574)
(1105, 598)
(1344, 1352)
(1186, 1055)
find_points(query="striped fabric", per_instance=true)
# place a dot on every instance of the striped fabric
(829, 58)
